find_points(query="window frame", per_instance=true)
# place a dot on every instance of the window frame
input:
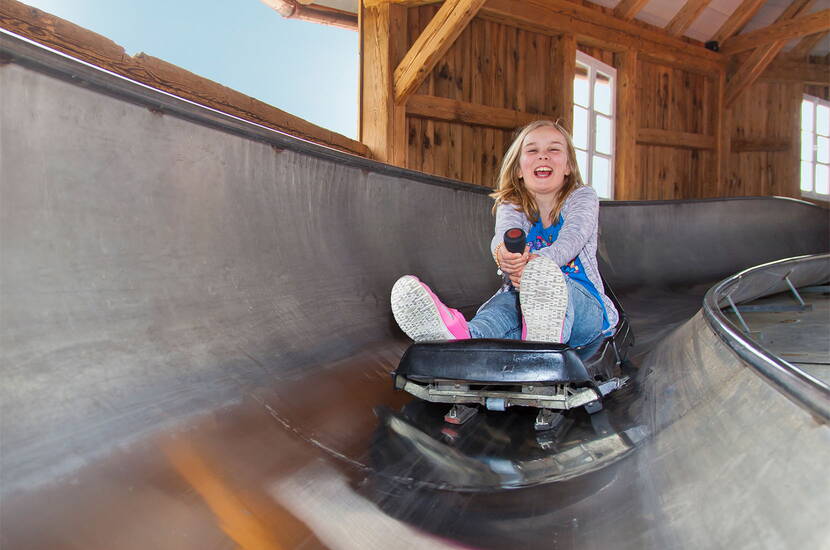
(812, 194)
(595, 65)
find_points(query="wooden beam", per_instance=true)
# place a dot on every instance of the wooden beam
(737, 20)
(407, 3)
(668, 138)
(627, 184)
(751, 69)
(382, 122)
(627, 9)
(784, 70)
(771, 145)
(438, 36)
(452, 110)
(806, 45)
(684, 18)
(97, 50)
(596, 28)
(784, 30)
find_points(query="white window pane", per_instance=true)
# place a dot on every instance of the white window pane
(602, 94)
(806, 176)
(580, 136)
(806, 116)
(581, 84)
(822, 179)
(601, 176)
(823, 120)
(823, 150)
(806, 146)
(582, 161)
(604, 135)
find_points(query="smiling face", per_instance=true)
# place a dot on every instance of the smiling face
(543, 161)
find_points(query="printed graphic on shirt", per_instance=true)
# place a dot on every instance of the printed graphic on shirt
(540, 238)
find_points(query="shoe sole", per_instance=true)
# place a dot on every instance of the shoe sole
(416, 312)
(544, 299)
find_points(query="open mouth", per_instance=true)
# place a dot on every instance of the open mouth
(543, 172)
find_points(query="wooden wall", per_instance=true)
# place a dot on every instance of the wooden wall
(675, 137)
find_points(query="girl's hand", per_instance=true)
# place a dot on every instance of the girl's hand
(511, 262)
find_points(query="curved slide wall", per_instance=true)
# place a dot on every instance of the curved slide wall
(163, 265)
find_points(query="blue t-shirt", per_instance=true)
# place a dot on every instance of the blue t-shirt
(540, 237)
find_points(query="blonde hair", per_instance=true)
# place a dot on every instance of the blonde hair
(510, 187)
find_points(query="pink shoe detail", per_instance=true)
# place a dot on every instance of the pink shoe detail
(422, 316)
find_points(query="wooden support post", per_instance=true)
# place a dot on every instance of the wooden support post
(564, 66)
(626, 179)
(382, 43)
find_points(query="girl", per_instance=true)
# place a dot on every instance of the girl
(552, 292)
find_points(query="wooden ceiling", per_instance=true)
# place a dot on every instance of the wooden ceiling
(700, 20)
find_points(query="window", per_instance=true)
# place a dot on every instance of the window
(815, 148)
(593, 127)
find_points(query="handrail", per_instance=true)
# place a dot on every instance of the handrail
(806, 391)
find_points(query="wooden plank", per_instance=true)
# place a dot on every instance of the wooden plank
(684, 18)
(432, 44)
(668, 138)
(453, 110)
(767, 145)
(594, 27)
(95, 49)
(783, 30)
(806, 45)
(627, 9)
(722, 128)
(626, 177)
(798, 71)
(737, 20)
(383, 123)
(563, 70)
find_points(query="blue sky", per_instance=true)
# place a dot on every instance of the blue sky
(307, 69)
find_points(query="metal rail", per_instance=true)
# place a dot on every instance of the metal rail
(803, 389)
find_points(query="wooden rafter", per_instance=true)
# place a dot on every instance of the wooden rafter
(760, 59)
(596, 28)
(627, 9)
(737, 20)
(805, 45)
(438, 36)
(684, 18)
(784, 30)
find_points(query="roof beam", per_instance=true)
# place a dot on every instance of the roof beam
(627, 9)
(596, 28)
(737, 20)
(798, 71)
(781, 31)
(684, 18)
(436, 39)
(806, 45)
(760, 59)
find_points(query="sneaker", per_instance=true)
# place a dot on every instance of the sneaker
(544, 300)
(422, 316)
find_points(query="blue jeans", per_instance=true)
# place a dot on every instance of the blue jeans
(500, 317)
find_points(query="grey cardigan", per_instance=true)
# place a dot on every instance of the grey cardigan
(578, 237)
